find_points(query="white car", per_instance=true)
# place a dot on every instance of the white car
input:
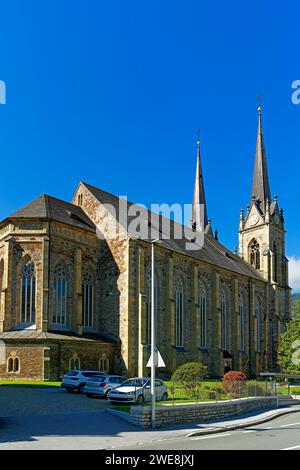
(77, 379)
(138, 390)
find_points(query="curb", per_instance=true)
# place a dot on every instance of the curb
(120, 414)
(245, 424)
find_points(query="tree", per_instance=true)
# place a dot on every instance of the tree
(234, 383)
(289, 349)
(189, 375)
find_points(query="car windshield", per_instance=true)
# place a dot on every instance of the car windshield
(134, 383)
(97, 378)
(93, 374)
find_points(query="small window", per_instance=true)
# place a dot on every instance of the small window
(104, 364)
(13, 365)
(74, 363)
(10, 365)
(80, 199)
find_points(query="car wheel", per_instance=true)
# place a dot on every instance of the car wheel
(81, 388)
(107, 393)
(164, 397)
(140, 399)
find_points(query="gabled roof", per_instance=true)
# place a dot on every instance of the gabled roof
(51, 208)
(212, 252)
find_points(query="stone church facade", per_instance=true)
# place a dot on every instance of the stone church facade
(72, 296)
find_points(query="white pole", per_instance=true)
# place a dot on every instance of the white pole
(153, 349)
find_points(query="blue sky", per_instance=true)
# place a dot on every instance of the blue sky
(113, 93)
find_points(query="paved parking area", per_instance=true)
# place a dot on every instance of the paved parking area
(24, 401)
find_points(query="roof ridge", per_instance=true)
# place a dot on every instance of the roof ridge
(47, 205)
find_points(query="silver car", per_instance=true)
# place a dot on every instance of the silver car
(102, 386)
(138, 390)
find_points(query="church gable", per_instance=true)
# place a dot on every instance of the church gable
(254, 218)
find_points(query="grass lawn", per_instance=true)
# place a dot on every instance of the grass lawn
(28, 383)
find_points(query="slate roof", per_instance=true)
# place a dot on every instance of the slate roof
(49, 335)
(212, 252)
(51, 208)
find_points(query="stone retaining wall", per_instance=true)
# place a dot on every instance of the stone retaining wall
(200, 413)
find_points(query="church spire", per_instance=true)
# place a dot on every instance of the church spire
(199, 212)
(261, 188)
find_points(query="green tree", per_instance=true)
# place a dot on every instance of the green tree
(289, 350)
(189, 375)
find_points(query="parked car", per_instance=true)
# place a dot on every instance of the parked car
(138, 390)
(77, 379)
(102, 386)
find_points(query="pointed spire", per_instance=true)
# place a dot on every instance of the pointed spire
(199, 212)
(261, 187)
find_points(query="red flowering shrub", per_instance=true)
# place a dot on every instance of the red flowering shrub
(234, 383)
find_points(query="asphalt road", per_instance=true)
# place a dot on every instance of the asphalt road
(279, 434)
(52, 419)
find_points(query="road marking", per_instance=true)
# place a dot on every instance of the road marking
(291, 448)
(287, 425)
(211, 437)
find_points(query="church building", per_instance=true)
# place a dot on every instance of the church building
(72, 296)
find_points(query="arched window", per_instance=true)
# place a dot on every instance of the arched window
(74, 363)
(16, 364)
(275, 262)
(258, 326)
(60, 296)
(88, 300)
(223, 321)
(10, 365)
(104, 364)
(203, 318)
(148, 306)
(179, 313)
(242, 323)
(28, 292)
(255, 255)
(13, 365)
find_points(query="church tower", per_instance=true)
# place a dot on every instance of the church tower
(262, 241)
(262, 230)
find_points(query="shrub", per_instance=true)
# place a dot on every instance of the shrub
(189, 375)
(255, 389)
(234, 383)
